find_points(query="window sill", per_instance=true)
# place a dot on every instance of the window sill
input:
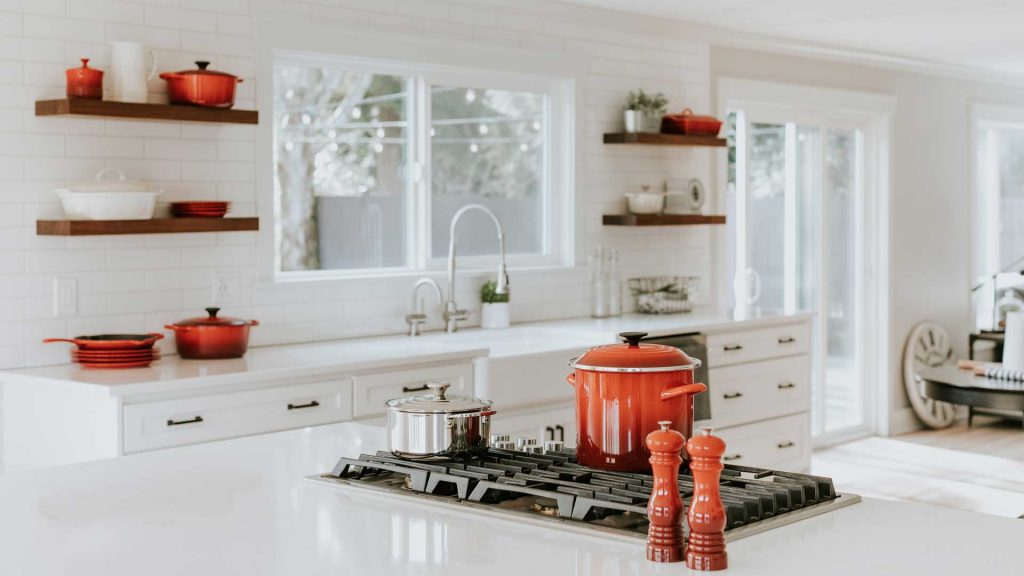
(328, 276)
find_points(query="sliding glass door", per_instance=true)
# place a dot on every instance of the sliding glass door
(796, 194)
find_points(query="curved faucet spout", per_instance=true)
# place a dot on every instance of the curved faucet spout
(452, 312)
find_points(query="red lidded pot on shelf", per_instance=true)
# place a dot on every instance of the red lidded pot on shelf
(622, 392)
(201, 87)
(85, 82)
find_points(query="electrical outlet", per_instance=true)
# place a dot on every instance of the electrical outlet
(227, 288)
(65, 296)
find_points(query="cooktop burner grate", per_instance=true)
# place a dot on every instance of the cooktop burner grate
(552, 485)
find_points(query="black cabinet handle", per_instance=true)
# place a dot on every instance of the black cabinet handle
(781, 445)
(550, 432)
(414, 388)
(785, 385)
(195, 420)
(732, 457)
(561, 432)
(732, 395)
(312, 404)
(786, 339)
(732, 347)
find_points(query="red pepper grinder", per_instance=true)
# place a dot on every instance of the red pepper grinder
(705, 548)
(665, 508)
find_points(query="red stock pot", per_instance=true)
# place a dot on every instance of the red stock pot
(211, 337)
(622, 391)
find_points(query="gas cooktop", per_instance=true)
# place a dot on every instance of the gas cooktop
(550, 487)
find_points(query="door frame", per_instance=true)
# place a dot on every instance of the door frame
(872, 114)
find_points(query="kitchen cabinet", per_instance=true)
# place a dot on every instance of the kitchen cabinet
(50, 427)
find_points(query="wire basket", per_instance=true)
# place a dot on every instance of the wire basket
(663, 294)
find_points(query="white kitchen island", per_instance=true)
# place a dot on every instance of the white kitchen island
(243, 506)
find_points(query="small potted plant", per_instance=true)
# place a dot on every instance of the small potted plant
(643, 111)
(494, 312)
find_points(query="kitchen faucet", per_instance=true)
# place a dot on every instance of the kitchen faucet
(452, 314)
(416, 316)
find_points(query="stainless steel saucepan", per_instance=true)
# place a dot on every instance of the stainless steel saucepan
(437, 425)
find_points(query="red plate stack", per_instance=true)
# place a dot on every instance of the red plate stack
(200, 209)
(113, 350)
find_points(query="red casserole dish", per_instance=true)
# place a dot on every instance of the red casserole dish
(212, 337)
(690, 124)
(201, 87)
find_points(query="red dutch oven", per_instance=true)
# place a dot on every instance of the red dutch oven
(201, 87)
(211, 338)
(84, 82)
(622, 391)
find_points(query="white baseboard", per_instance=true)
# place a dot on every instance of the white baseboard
(903, 420)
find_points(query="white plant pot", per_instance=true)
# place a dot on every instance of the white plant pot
(632, 121)
(494, 315)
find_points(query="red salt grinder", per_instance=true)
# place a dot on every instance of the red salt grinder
(705, 548)
(665, 508)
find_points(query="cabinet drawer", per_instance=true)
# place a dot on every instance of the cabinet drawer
(153, 425)
(373, 390)
(749, 345)
(768, 443)
(760, 390)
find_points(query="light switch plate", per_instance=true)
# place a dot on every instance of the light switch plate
(65, 296)
(227, 287)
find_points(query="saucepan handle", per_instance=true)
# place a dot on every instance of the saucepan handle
(571, 379)
(695, 388)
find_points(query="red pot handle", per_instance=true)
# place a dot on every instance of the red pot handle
(571, 379)
(695, 388)
(50, 340)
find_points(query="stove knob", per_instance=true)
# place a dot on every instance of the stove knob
(496, 438)
(534, 448)
(553, 445)
(505, 445)
(522, 443)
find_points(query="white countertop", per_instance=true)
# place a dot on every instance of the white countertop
(243, 507)
(298, 360)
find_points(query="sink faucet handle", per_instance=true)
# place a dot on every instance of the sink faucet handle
(415, 321)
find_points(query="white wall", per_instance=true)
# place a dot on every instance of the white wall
(139, 283)
(931, 188)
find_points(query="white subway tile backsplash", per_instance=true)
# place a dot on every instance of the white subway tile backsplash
(104, 147)
(181, 149)
(106, 11)
(181, 19)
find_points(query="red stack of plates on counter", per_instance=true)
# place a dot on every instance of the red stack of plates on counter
(113, 350)
(200, 209)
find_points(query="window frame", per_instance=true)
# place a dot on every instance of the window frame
(559, 161)
(986, 257)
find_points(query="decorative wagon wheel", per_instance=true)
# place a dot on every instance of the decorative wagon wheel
(927, 347)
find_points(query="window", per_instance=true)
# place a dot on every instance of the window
(372, 160)
(999, 202)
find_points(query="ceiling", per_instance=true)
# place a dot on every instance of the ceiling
(980, 34)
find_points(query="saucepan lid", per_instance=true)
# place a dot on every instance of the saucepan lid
(632, 356)
(438, 402)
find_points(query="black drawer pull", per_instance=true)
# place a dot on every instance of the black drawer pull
(732, 457)
(312, 404)
(561, 432)
(549, 432)
(732, 395)
(786, 385)
(732, 347)
(414, 388)
(781, 445)
(786, 339)
(195, 420)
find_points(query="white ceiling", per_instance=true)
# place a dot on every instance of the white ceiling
(981, 34)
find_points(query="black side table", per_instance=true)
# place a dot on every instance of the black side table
(950, 384)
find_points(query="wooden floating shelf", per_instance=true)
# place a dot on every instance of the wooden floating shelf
(154, 226)
(657, 139)
(84, 107)
(661, 219)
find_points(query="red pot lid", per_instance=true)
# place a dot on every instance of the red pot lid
(632, 356)
(214, 320)
(202, 71)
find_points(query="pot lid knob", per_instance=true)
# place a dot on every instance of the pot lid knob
(202, 64)
(633, 338)
(212, 311)
(439, 388)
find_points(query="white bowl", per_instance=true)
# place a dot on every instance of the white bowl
(645, 202)
(108, 205)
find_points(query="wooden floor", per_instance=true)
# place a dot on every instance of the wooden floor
(980, 469)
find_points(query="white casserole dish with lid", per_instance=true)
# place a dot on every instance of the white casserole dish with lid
(108, 199)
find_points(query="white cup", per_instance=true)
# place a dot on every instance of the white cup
(128, 76)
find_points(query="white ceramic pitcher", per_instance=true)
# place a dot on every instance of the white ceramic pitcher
(128, 75)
